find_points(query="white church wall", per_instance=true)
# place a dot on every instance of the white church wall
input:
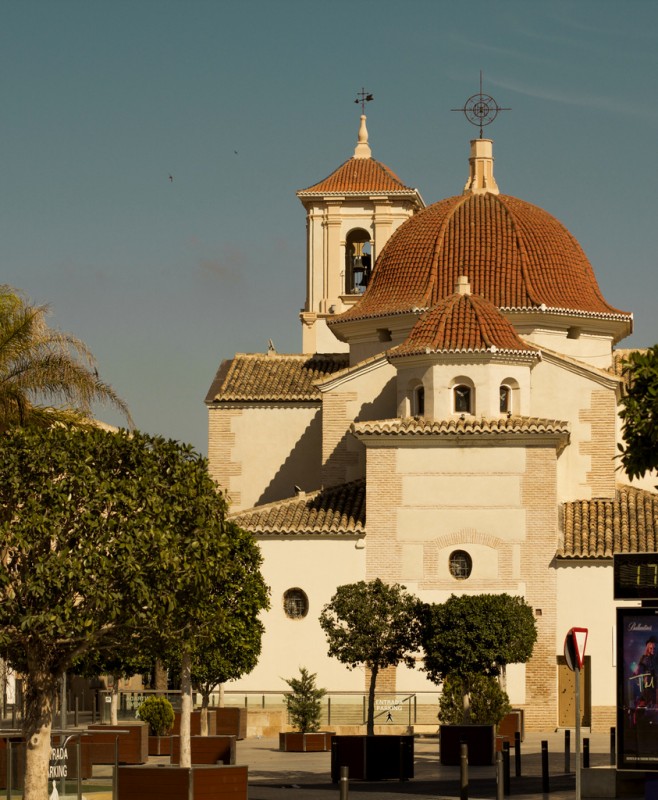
(316, 566)
(258, 453)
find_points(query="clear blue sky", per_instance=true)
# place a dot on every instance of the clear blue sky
(102, 100)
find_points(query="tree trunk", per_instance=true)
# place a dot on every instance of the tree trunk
(39, 704)
(160, 683)
(221, 695)
(114, 701)
(185, 709)
(370, 725)
(205, 702)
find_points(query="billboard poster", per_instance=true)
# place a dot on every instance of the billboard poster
(637, 708)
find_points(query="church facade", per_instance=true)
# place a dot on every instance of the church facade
(451, 425)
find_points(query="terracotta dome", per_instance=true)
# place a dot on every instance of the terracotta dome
(514, 254)
(463, 323)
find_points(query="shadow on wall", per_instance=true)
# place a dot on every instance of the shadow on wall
(302, 466)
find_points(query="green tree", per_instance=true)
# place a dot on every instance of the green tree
(488, 701)
(303, 702)
(476, 635)
(233, 644)
(40, 365)
(104, 537)
(375, 624)
(639, 413)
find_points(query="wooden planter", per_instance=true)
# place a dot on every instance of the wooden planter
(509, 725)
(179, 783)
(206, 749)
(159, 745)
(296, 742)
(479, 739)
(195, 723)
(133, 746)
(373, 758)
(17, 762)
(231, 721)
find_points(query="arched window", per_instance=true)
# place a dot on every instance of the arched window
(358, 261)
(295, 603)
(462, 398)
(418, 401)
(505, 398)
(460, 565)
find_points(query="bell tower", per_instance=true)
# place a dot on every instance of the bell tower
(350, 216)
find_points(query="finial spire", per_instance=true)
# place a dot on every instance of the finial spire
(481, 178)
(362, 149)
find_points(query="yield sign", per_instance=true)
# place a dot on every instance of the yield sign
(578, 641)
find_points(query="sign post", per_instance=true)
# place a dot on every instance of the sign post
(574, 655)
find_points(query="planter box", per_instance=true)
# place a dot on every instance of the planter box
(133, 746)
(159, 745)
(479, 739)
(17, 762)
(206, 749)
(296, 742)
(373, 758)
(195, 723)
(178, 783)
(509, 725)
(231, 721)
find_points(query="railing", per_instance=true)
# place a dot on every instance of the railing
(338, 708)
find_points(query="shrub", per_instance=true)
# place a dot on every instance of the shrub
(159, 714)
(303, 703)
(487, 702)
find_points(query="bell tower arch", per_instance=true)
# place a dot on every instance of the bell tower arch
(350, 216)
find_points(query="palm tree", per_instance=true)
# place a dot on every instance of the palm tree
(40, 365)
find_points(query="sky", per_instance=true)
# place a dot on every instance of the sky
(150, 151)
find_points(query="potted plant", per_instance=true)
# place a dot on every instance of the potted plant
(304, 709)
(468, 642)
(377, 625)
(158, 712)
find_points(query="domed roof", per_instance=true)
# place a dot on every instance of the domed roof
(463, 323)
(515, 255)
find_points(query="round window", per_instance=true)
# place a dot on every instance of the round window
(295, 603)
(461, 565)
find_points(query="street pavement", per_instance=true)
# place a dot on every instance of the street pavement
(274, 775)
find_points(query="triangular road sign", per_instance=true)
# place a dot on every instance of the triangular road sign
(580, 640)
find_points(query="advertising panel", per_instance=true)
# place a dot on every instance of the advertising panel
(637, 712)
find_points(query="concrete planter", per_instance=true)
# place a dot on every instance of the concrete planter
(206, 749)
(480, 740)
(373, 758)
(297, 742)
(180, 783)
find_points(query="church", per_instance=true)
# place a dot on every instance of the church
(450, 424)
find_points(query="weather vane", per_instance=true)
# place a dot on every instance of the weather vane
(363, 97)
(480, 109)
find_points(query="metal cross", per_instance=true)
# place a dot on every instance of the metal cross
(480, 109)
(363, 97)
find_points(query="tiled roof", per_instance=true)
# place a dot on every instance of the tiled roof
(273, 377)
(463, 323)
(514, 254)
(359, 175)
(460, 426)
(601, 528)
(338, 510)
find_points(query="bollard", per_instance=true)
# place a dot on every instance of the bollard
(517, 754)
(506, 781)
(344, 783)
(585, 753)
(545, 787)
(567, 751)
(500, 778)
(463, 771)
(613, 747)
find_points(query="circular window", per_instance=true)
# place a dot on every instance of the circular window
(461, 565)
(295, 603)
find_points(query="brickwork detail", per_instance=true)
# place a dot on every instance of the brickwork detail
(339, 448)
(540, 501)
(601, 447)
(383, 498)
(221, 447)
(386, 680)
(603, 718)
